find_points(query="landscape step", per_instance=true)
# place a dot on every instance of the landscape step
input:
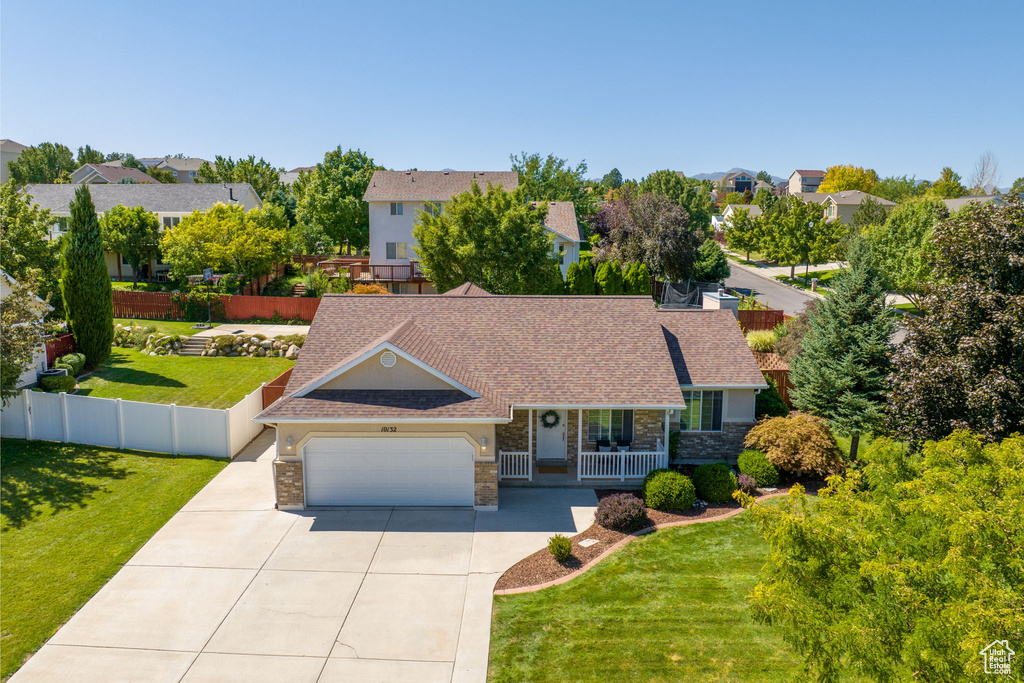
(193, 346)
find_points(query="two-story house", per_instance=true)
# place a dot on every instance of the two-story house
(805, 181)
(170, 202)
(186, 169)
(9, 151)
(395, 199)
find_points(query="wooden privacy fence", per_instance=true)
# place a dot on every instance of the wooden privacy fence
(760, 320)
(275, 389)
(164, 306)
(58, 346)
(776, 369)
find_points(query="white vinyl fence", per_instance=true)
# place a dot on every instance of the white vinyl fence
(115, 423)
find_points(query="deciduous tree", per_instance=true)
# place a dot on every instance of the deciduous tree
(647, 228)
(985, 176)
(553, 179)
(870, 212)
(330, 199)
(848, 177)
(961, 365)
(133, 233)
(48, 162)
(900, 188)
(264, 178)
(841, 371)
(948, 186)
(88, 155)
(905, 570)
(25, 252)
(84, 283)
(686, 192)
(21, 334)
(901, 245)
(494, 239)
(743, 232)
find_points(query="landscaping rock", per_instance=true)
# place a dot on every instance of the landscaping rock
(266, 343)
(292, 353)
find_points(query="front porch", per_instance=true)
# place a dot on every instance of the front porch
(612, 447)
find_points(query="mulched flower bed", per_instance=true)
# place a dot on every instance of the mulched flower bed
(541, 567)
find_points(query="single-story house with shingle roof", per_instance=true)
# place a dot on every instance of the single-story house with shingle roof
(437, 399)
(841, 205)
(170, 202)
(103, 174)
(395, 199)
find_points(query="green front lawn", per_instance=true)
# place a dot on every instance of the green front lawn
(183, 380)
(670, 606)
(163, 326)
(144, 286)
(908, 308)
(70, 516)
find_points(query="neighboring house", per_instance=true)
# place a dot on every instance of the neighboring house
(764, 185)
(39, 357)
(185, 170)
(395, 198)
(736, 182)
(431, 400)
(753, 210)
(561, 222)
(104, 174)
(841, 205)
(170, 202)
(9, 151)
(289, 177)
(805, 181)
(955, 205)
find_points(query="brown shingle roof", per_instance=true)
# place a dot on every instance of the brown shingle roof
(467, 289)
(521, 350)
(561, 218)
(810, 174)
(115, 174)
(709, 349)
(433, 185)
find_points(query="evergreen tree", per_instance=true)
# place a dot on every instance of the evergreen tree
(628, 278)
(712, 265)
(84, 282)
(572, 278)
(840, 374)
(586, 281)
(613, 284)
(643, 279)
(601, 277)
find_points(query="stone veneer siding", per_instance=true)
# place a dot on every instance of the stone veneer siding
(486, 483)
(725, 445)
(288, 475)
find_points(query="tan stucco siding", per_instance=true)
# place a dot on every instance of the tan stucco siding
(739, 405)
(370, 374)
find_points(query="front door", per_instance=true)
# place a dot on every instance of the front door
(551, 440)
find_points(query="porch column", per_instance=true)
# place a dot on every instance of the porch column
(668, 455)
(579, 443)
(529, 436)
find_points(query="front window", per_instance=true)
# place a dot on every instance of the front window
(397, 208)
(610, 425)
(63, 223)
(396, 250)
(432, 208)
(703, 411)
(170, 221)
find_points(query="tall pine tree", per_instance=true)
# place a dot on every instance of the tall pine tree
(84, 282)
(841, 371)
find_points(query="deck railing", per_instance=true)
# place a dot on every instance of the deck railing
(621, 466)
(386, 273)
(515, 465)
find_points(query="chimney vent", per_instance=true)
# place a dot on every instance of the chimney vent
(231, 194)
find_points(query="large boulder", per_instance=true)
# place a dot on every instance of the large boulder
(292, 353)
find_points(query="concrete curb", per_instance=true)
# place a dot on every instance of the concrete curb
(772, 278)
(625, 541)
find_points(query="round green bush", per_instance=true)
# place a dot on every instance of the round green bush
(756, 464)
(560, 547)
(621, 512)
(715, 482)
(72, 362)
(55, 385)
(668, 490)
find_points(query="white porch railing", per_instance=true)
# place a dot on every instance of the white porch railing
(621, 466)
(515, 465)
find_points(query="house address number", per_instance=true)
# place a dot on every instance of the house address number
(389, 429)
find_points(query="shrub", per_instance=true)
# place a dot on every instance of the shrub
(746, 483)
(289, 339)
(756, 464)
(370, 289)
(769, 403)
(560, 547)
(316, 283)
(715, 482)
(55, 385)
(798, 443)
(762, 340)
(198, 305)
(621, 512)
(668, 490)
(72, 362)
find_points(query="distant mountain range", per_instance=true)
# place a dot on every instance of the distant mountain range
(718, 174)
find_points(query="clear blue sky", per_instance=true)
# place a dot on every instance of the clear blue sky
(903, 87)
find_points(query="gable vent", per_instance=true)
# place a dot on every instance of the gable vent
(388, 359)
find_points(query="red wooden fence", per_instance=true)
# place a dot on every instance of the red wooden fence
(161, 306)
(59, 346)
(760, 320)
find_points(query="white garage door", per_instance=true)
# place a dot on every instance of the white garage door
(388, 471)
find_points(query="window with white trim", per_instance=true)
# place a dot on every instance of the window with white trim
(703, 411)
(170, 221)
(610, 425)
(397, 208)
(396, 250)
(432, 208)
(63, 223)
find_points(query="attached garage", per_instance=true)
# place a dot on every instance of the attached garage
(388, 471)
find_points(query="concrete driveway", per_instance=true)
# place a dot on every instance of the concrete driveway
(232, 590)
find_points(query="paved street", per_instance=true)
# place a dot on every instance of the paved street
(768, 291)
(231, 589)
